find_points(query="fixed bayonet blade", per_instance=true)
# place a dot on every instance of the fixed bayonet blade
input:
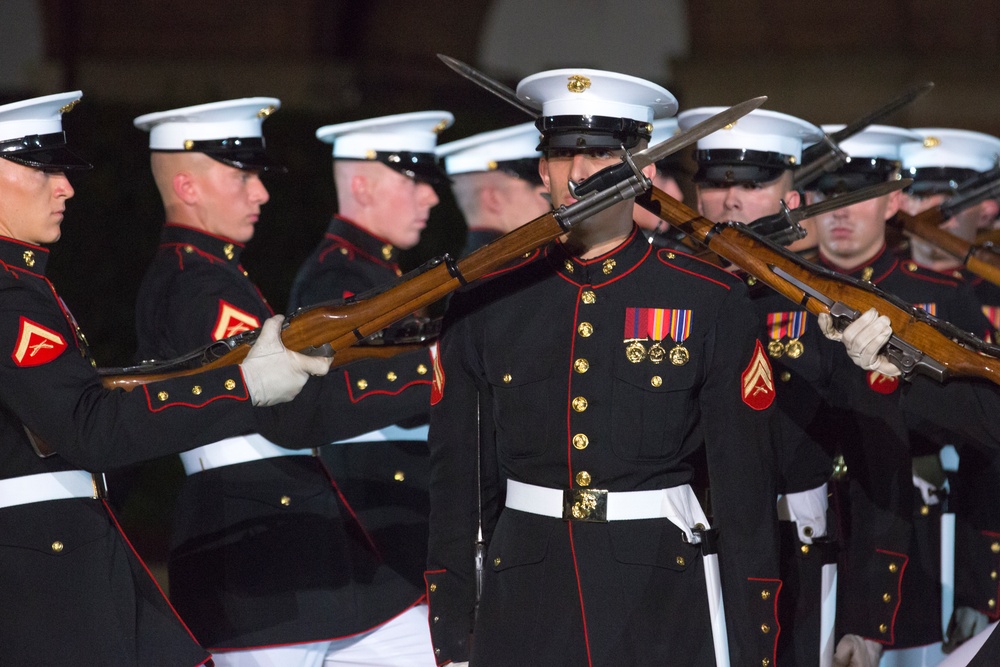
(500, 90)
(847, 199)
(814, 152)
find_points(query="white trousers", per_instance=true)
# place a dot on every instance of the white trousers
(405, 641)
(964, 654)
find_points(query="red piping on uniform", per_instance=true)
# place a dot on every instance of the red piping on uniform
(204, 233)
(692, 273)
(899, 595)
(777, 624)
(823, 259)
(579, 588)
(161, 408)
(587, 262)
(121, 532)
(993, 614)
(350, 392)
(179, 251)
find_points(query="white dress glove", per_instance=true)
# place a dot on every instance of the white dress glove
(856, 651)
(863, 338)
(273, 373)
(965, 622)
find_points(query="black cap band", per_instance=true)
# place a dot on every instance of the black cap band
(525, 168)
(42, 151)
(419, 166)
(734, 166)
(937, 180)
(855, 174)
(244, 153)
(582, 132)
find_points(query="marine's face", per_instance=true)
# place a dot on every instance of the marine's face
(401, 207)
(32, 202)
(559, 166)
(851, 235)
(963, 225)
(745, 203)
(231, 199)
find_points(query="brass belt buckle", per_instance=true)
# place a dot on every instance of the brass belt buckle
(585, 505)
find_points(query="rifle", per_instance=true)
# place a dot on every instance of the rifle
(826, 155)
(980, 258)
(334, 327)
(920, 342)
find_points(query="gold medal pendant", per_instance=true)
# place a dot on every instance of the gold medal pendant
(679, 355)
(775, 348)
(794, 348)
(657, 354)
(635, 352)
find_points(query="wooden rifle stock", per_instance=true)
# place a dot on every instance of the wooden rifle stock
(336, 327)
(982, 261)
(920, 342)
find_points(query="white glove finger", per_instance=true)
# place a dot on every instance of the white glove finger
(826, 326)
(272, 373)
(871, 340)
(312, 365)
(858, 328)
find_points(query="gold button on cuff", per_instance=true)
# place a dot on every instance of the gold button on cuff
(656, 381)
(924, 510)
(886, 598)
(583, 478)
(507, 378)
(580, 404)
(585, 329)
(390, 376)
(229, 384)
(765, 594)
(421, 370)
(196, 390)
(765, 628)
(588, 297)
(57, 546)
(581, 365)
(995, 547)
(883, 628)
(285, 501)
(580, 441)
(362, 384)
(433, 587)
(399, 476)
(681, 561)
(893, 567)
(993, 575)
(163, 396)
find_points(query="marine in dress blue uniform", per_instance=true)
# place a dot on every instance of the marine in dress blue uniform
(74, 590)
(494, 177)
(385, 171)
(265, 550)
(593, 371)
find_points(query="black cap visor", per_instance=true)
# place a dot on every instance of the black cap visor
(423, 167)
(729, 167)
(526, 169)
(244, 153)
(43, 151)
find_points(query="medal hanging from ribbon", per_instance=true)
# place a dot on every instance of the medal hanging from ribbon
(680, 329)
(781, 324)
(635, 333)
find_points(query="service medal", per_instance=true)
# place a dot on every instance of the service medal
(794, 348)
(635, 352)
(657, 354)
(679, 355)
(775, 348)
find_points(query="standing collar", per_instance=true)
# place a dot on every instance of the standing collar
(378, 248)
(217, 247)
(874, 270)
(25, 256)
(603, 269)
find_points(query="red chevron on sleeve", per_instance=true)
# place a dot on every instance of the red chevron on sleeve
(36, 345)
(231, 321)
(758, 383)
(437, 386)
